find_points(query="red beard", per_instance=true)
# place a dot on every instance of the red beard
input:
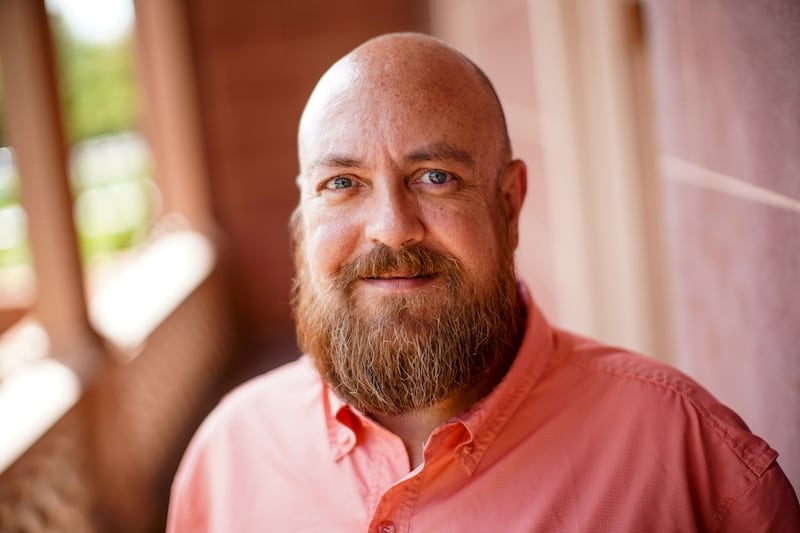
(405, 353)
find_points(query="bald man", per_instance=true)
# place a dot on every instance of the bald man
(433, 395)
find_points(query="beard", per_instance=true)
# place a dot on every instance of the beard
(403, 353)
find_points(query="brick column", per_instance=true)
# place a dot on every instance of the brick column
(37, 136)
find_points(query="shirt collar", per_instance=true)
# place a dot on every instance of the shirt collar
(342, 423)
(484, 420)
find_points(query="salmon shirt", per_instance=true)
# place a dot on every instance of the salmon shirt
(577, 437)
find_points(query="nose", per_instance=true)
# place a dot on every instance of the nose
(395, 219)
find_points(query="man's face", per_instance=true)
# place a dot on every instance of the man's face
(400, 170)
(404, 243)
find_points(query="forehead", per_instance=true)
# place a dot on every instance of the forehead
(397, 107)
(364, 125)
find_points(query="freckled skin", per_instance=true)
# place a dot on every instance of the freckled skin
(390, 98)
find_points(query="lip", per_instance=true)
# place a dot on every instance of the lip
(398, 283)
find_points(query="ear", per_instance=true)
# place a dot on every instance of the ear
(513, 186)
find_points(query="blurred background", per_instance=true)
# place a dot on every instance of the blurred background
(147, 164)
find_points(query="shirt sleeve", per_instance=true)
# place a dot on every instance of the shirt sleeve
(770, 504)
(186, 510)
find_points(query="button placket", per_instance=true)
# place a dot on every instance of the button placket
(345, 437)
(386, 526)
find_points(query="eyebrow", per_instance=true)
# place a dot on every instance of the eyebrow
(336, 161)
(440, 151)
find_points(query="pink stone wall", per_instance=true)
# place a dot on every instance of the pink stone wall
(728, 105)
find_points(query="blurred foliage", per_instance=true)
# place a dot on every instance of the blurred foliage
(115, 197)
(3, 134)
(13, 245)
(110, 169)
(9, 187)
(98, 84)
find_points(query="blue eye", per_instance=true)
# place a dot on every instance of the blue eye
(437, 177)
(340, 182)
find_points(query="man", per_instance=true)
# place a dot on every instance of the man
(434, 396)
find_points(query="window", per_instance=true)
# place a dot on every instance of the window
(86, 206)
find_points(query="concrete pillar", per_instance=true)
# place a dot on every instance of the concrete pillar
(171, 110)
(37, 137)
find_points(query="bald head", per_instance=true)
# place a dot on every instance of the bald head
(407, 72)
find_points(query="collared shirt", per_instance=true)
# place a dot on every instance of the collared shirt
(576, 437)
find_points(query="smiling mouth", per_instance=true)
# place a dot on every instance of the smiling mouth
(399, 282)
(399, 276)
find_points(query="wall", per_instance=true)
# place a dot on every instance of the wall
(728, 104)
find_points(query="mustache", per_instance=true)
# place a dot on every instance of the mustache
(382, 261)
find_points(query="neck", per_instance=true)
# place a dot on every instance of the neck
(415, 427)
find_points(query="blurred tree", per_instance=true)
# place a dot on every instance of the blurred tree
(3, 134)
(98, 84)
(110, 177)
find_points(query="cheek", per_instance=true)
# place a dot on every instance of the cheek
(329, 244)
(468, 233)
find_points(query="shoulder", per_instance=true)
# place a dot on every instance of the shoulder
(253, 430)
(662, 418)
(283, 383)
(627, 372)
(650, 387)
(281, 394)
(245, 443)
(262, 410)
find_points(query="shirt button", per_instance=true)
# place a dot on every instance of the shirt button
(468, 449)
(387, 527)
